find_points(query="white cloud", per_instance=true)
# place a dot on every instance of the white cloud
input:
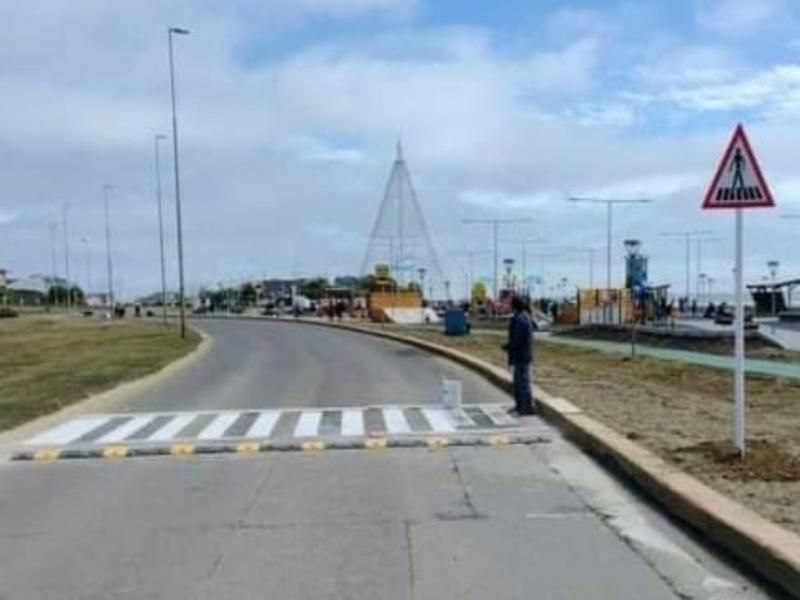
(284, 163)
(7, 217)
(741, 17)
(775, 90)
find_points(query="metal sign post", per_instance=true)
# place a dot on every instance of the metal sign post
(739, 426)
(739, 184)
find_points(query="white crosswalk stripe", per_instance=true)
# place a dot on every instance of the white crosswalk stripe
(124, 430)
(439, 420)
(216, 428)
(308, 424)
(66, 432)
(264, 424)
(172, 428)
(352, 422)
(208, 426)
(395, 421)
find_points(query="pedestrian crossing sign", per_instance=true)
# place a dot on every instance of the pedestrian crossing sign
(739, 182)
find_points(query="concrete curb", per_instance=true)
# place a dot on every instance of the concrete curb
(107, 400)
(769, 549)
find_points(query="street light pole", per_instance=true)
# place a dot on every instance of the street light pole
(495, 223)
(609, 202)
(773, 265)
(700, 242)
(181, 300)
(688, 235)
(85, 243)
(156, 139)
(64, 208)
(109, 268)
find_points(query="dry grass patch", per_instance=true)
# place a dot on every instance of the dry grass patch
(49, 362)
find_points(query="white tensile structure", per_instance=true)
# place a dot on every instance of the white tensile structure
(400, 237)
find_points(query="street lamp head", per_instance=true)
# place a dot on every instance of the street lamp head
(160, 136)
(178, 31)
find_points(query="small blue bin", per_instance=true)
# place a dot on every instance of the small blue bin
(455, 322)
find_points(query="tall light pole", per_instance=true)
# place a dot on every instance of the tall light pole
(88, 266)
(54, 266)
(181, 300)
(687, 235)
(156, 139)
(524, 243)
(471, 254)
(421, 272)
(700, 242)
(109, 267)
(609, 202)
(64, 208)
(773, 265)
(495, 223)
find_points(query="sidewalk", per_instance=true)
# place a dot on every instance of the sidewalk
(703, 359)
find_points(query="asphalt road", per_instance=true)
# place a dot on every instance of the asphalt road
(527, 522)
(266, 364)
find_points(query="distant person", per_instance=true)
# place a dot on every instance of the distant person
(520, 356)
(694, 307)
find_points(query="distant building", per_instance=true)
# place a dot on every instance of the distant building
(155, 299)
(3, 278)
(32, 291)
(346, 281)
(97, 299)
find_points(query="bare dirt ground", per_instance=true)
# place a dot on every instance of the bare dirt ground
(681, 412)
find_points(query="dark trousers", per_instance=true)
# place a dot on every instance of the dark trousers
(523, 397)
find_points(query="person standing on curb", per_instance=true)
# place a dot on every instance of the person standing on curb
(520, 355)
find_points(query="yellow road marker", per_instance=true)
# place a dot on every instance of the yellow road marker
(182, 450)
(375, 443)
(115, 452)
(248, 448)
(313, 446)
(499, 440)
(435, 443)
(47, 455)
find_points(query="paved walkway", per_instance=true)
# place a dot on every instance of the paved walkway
(762, 367)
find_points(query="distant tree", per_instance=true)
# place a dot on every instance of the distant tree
(248, 294)
(315, 288)
(57, 295)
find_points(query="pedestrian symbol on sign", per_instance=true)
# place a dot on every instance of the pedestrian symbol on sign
(738, 182)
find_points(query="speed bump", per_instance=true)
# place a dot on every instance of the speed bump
(499, 440)
(46, 455)
(181, 449)
(435, 443)
(375, 443)
(115, 452)
(313, 446)
(248, 448)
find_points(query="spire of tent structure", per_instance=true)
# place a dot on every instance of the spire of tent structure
(400, 237)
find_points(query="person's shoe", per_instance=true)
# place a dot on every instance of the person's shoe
(527, 413)
(513, 411)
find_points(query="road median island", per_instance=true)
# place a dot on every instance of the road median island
(670, 474)
(48, 363)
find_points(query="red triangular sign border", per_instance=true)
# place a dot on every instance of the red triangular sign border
(767, 202)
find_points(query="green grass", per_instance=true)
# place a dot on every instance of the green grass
(47, 363)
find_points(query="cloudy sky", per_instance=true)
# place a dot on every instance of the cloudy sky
(290, 111)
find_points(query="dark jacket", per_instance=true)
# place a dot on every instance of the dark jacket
(520, 339)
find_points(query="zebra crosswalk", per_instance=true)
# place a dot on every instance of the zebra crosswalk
(273, 424)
